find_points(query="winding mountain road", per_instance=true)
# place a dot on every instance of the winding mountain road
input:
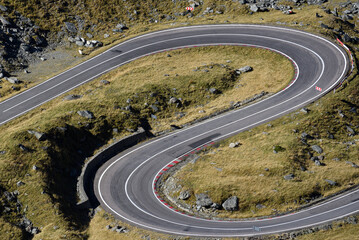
(124, 185)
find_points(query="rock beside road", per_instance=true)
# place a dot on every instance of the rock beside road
(231, 204)
(203, 200)
(184, 195)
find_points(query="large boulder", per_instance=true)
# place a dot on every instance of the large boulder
(203, 200)
(231, 204)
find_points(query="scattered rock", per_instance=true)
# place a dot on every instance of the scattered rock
(23, 148)
(184, 195)
(260, 206)
(231, 204)
(13, 80)
(347, 38)
(173, 100)
(306, 136)
(317, 149)
(72, 97)
(216, 206)
(40, 136)
(203, 200)
(213, 91)
(3, 8)
(254, 8)
(331, 182)
(154, 108)
(20, 183)
(245, 69)
(89, 35)
(11, 196)
(4, 21)
(80, 43)
(304, 110)
(318, 163)
(85, 114)
(35, 168)
(289, 176)
(350, 130)
(352, 164)
(351, 220)
(70, 27)
(233, 145)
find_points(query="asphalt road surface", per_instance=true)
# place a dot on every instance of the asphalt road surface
(124, 186)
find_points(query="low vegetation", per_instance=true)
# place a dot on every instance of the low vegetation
(255, 172)
(134, 95)
(49, 193)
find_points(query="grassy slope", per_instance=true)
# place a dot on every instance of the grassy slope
(242, 167)
(50, 14)
(61, 156)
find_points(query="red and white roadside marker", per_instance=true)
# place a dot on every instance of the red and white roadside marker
(318, 88)
(189, 8)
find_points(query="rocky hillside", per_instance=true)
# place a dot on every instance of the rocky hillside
(27, 28)
(30, 28)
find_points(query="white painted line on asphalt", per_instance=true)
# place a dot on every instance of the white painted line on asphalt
(231, 133)
(99, 189)
(218, 26)
(29, 109)
(158, 32)
(120, 55)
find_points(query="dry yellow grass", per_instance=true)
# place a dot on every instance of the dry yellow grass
(59, 112)
(98, 230)
(137, 77)
(346, 232)
(243, 169)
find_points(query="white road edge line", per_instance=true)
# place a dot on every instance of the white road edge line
(120, 55)
(213, 119)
